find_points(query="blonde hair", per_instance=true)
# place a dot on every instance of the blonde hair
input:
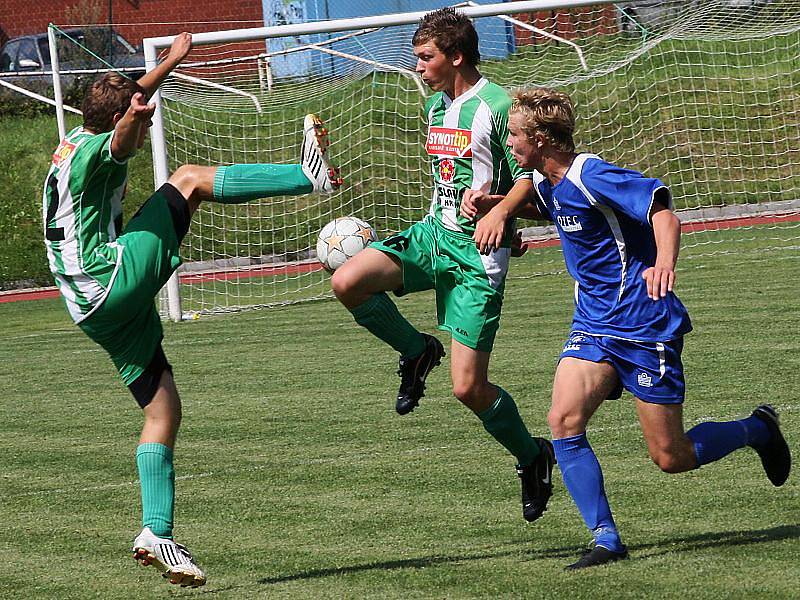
(547, 112)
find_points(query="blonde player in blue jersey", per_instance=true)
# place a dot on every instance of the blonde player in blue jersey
(620, 241)
(109, 276)
(467, 130)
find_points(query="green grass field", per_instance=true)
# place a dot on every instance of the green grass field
(296, 479)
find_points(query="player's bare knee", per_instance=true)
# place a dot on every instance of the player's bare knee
(465, 391)
(566, 422)
(671, 461)
(473, 393)
(556, 420)
(340, 284)
(183, 176)
(163, 418)
(666, 462)
(173, 421)
(185, 179)
(346, 285)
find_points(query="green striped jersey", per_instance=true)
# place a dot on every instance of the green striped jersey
(82, 215)
(467, 146)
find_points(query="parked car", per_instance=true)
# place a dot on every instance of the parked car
(25, 60)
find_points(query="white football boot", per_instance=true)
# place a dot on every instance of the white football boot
(173, 560)
(313, 160)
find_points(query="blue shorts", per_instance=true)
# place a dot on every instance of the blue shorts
(651, 371)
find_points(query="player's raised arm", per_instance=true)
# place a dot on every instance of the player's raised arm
(151, 80)
(667, 231)
(130, 130)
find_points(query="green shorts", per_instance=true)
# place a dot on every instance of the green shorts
(127, 324)
(469, 286)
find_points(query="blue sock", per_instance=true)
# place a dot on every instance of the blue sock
(713, 440)
(757, 431)
(584, 480)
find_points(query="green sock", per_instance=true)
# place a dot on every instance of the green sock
(157, 478)
(382, 319)
(503, 422)
(241, 183)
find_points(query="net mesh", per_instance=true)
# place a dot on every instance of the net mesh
(701, 94)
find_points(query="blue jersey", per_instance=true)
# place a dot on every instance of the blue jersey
(602, 213)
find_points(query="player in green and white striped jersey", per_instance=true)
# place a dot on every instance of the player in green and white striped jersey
(466, 142)
(465, 151)
(109, 276)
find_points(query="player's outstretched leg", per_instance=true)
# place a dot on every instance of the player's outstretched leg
(537, 481)
(239, 183)
(413, 373)
(313, 156)
(775, 456)
(173, 560)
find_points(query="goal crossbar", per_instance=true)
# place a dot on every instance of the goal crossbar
(276, 53)
(542, 32)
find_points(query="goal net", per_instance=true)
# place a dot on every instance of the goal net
(701, 94)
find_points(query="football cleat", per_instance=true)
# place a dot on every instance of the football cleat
(414, 371)
(598, 555)
(775, 456)
(313, 160)
(173, 560)
(537, 481)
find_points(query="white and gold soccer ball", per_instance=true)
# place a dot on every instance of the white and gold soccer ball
(341, 239)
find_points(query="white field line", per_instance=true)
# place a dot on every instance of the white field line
(340, 458)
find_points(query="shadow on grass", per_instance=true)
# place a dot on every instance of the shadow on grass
(409, 563)
(680, 544)
(719, 539)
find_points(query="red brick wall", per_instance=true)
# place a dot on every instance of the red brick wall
(572, 24)
(20, 17)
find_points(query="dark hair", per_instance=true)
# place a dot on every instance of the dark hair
(547, 112)
(111, 93)
(451, 31)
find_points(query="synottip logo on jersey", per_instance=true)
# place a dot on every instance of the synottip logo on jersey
(447, 169)
(446, 141)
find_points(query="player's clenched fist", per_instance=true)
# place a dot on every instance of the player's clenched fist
(140, 108)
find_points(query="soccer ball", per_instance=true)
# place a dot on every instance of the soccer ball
(341, 239)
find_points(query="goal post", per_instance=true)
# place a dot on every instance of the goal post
(699, 94)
